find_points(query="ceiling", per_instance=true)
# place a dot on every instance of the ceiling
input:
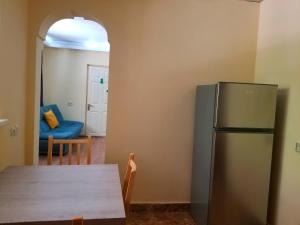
(77, 33)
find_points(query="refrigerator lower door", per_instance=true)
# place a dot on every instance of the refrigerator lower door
(241, 177)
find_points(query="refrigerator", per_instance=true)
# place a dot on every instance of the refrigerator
(232, 156)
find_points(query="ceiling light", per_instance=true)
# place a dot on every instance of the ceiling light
(91, 44)
(78, 18)
(48, 39)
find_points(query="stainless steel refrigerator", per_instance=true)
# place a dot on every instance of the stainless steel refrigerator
(232, 153)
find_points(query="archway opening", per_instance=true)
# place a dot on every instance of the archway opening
(74, 86)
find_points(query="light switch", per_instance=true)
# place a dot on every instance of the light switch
(297, 147)
(70, 104)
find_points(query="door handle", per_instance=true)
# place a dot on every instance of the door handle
(89, 107)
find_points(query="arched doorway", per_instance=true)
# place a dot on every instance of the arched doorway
(74, 66)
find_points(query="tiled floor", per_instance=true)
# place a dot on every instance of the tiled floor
(177, 214)
(159, 218)
(98, 153)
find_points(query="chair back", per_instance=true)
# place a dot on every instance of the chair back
(83, 141)
(128, 181)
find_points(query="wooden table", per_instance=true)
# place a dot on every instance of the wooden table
(55, 194)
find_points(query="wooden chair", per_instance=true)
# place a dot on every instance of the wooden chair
(77, 221)
(128, 182)
(86, 141)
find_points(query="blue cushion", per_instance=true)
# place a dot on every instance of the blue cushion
(57, 113)
(65, 130)
(55, 110)
(43, 109)
(44, 126)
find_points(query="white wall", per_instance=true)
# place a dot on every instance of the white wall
(65, 77)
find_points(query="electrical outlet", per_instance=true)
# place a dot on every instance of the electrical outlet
(14, 130)
(297, 147)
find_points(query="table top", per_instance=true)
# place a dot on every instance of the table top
(55, 194)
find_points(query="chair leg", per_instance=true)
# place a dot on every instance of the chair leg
(50, 147)
(89, 150)
(77, 221)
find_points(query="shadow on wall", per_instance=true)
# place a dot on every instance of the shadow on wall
(282, 102)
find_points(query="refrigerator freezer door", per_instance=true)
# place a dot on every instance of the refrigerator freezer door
(241, 176)
(245, 106)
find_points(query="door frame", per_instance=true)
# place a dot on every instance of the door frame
(87, 89)
(32, 125)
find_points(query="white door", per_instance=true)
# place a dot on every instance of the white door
(96, 108)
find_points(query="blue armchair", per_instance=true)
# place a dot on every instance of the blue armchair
(66, 129)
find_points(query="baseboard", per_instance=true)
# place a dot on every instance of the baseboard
(158, 203)
(161, 207)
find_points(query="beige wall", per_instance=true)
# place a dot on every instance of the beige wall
(65, 79)
(160, 51)
(278, 61)
(13, 31)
